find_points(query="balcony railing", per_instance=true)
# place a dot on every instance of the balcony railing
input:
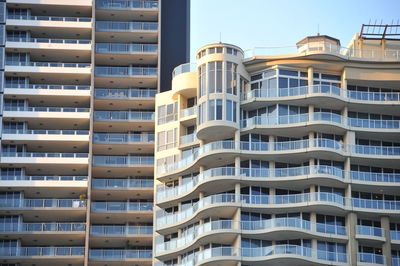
(189, 111)
(42, 227)
(122, 116)
(184, 68)
(42, 252)
(42, 178)
(126, 4)
(123, 161)
(120, 230)
(48, 64)
(121, 183)
(375, 150)
(47, 18)
(101, 207)
(46, 109)
(125, 48)
(119, 254)
(116, 26)
(45, 132)
(394, 235)
(42, 203)
(373, 96)
(125, 71)
(47, 40)
(369, 231)
(46, 87)
(188, 139)
(371, 258)
(44, 155)
(124, 94)
(120, 138)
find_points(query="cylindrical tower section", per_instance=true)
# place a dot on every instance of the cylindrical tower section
(220, 71)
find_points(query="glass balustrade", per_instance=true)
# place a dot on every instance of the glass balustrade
(117, 138)
(48, 64)
(124, 94)
(375, 150)
(41, 251)
(47, 40)
(371, 123)
(188, 139)
(120, 230)
(390, 205)
(121, 254)
(46, 109)
(118, 26)
(375, 177)
(124, 48)
(371, 258)
(46, 87)
(125, 71)
(104, 207)
(44, 155)
(184, 68)
(44, 178)
(121, 183)
(42, 203)
(189, 111)
(122, 115)
(126, 4)
(369, 231)
(45, 132)
(122, 161)
(373, 96)
(47, 18)
(42, 227)
(394, 235)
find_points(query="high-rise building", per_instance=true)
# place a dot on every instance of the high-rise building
(78, 83)
(266, 157)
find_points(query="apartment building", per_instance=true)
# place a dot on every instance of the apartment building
(78, 84)
(266, 157)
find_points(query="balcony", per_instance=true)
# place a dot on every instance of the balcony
(45, 209)
(55, 49)
(188, 139)
(45, 233)
(126, 76)
(122, 143)
(82, 4)
(122, 256)
(136, 32)
(48, 139)
(370, 233)
(122, 189)
(53, 72)
(125, 54)
(117, 235)
(122, 121)
(43, 255)
(60, 163)
(111, 166)
(57, 94)
(123, 211)
(124, 98)
(69, 26)
(126, 4)
(57, 186)
(370, 259)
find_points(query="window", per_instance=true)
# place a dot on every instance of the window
(202, 79)
(167, 139)
(167, 113)
(215, 77)
(231, 83)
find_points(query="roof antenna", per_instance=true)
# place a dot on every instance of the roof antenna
(220, 34)
(318, 29)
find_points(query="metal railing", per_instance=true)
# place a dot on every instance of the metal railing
(42, 203)
(123, 115)
(120, 230)
(110, 206)
(121, 183)
(45, 132)
(184, 68)
(47, 40)
(369, 230)
(42, 178)
(102, 71)
(122, 94)
(44, 155)
(124, 48)
(107, 254)
(46, 87)
(121, 138)
(42, 227)
(122, 161)
(126, 4)
(47, 18)
(47, 109)
(48, 64)
(42, 252)
(370, 258)
(117, 26)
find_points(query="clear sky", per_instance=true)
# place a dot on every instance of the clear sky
(259, 23)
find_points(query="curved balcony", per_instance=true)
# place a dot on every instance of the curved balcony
(303, 94)
(184, 80)
(294, 175)
(277, 202)
(287, 254)
(275, 229)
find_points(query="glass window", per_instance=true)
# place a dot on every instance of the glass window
(219, 110)
(211, 110)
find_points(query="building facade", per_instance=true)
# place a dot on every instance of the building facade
(287, 159)
(78, 83)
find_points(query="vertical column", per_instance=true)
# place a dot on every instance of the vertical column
(310, 112)
(313, 221)
(386, 247)
(344, 114)
(310, 80)
(2, 59)
(343, 91)
(352, 245)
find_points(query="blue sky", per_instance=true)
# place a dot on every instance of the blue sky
(254, 23)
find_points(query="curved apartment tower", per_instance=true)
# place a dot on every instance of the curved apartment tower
(281, 159)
